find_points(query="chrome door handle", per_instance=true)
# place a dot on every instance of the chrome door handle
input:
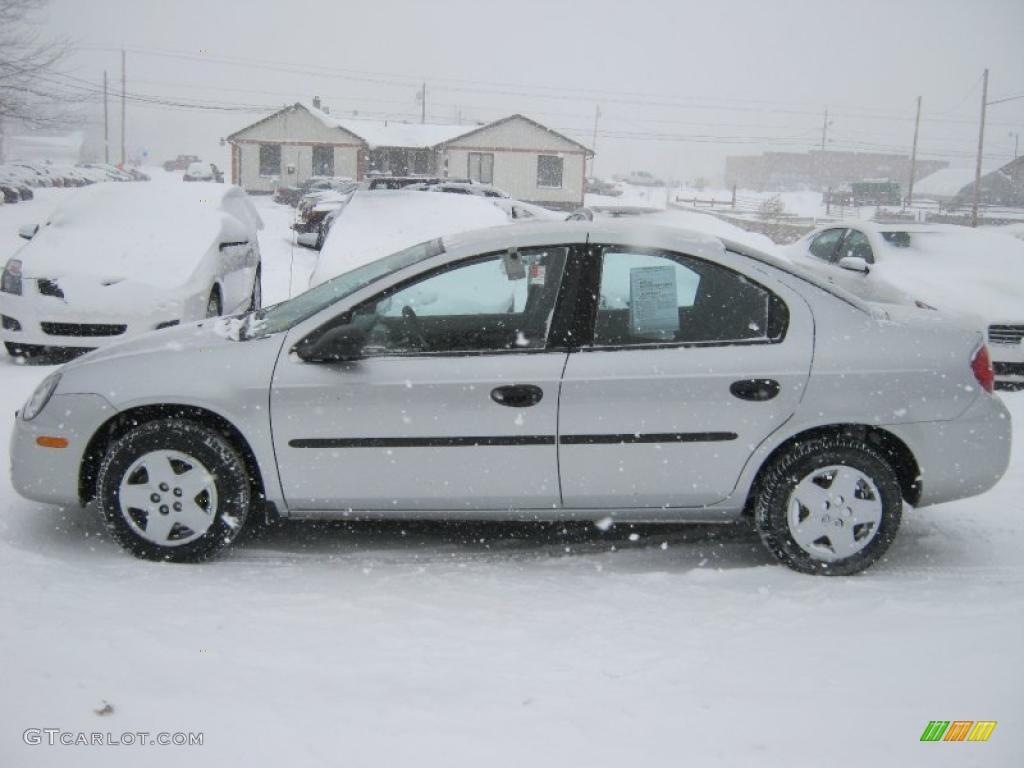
(517, 395)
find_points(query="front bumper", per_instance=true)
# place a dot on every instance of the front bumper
(51, 475)
(1007, 362)
(1007, 358)
(963, 457)
(46, 321)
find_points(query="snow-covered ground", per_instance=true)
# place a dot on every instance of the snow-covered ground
(505, 645)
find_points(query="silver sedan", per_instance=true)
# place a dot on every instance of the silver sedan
(578, 370)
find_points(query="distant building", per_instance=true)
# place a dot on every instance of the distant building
(526, 159)
(776, 171)
(1002, 187)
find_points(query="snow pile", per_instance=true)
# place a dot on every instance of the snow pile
(376, 224)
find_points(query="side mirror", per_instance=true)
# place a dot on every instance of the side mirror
(345, 342)
(855, 264)
(28, 231)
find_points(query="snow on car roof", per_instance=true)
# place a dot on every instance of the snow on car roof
(153, 233)
(377, 223)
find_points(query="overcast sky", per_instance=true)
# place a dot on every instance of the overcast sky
(680, 84)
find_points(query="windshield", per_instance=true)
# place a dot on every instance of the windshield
(283, 316)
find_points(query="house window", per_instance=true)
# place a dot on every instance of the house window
(549, 171)
(481, 167)
(422, 161)
(323, 161)
(270, 159)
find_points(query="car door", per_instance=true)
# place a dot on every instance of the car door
(452, 404)
(691, 365)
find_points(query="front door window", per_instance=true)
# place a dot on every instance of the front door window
(497, 303)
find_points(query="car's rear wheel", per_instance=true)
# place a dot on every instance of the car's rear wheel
(256, 300)
(214, 306)
(829, 505)
(173, 490)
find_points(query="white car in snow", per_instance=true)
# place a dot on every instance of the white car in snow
(117, 260)
(976, 274)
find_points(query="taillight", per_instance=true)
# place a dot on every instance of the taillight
(981, 364)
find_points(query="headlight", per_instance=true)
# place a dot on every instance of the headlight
(40, 397)
(11, 280)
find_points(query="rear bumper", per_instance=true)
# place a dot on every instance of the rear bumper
(963, 457)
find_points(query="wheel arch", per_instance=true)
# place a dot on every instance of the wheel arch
(124, 421)
(899, 455)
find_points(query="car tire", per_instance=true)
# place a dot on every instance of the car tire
(828, 505)
(145, 480)
(214, 305)
(256, 298)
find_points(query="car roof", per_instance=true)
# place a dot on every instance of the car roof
(613, 232)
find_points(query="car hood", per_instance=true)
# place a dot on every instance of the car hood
(108, 296)
(192, 363)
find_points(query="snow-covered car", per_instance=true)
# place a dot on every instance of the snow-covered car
(552, 371)
(117, 260)
(975, 274)
(316, 212)
(203, 172)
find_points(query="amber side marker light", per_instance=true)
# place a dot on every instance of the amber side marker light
(52, 442)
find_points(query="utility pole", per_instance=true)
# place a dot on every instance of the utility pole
(593, 142)
(423, 104)
(106, 123)
(913, 155)
(123, 99)
(981, 145)
(823, 179)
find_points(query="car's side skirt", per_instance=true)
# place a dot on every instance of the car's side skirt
(644, 515)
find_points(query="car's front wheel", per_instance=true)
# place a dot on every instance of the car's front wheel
(173, 490)
(829, 505)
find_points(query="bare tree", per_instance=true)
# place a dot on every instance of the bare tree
(33, 92)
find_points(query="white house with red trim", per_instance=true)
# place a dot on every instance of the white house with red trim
(519, 155)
